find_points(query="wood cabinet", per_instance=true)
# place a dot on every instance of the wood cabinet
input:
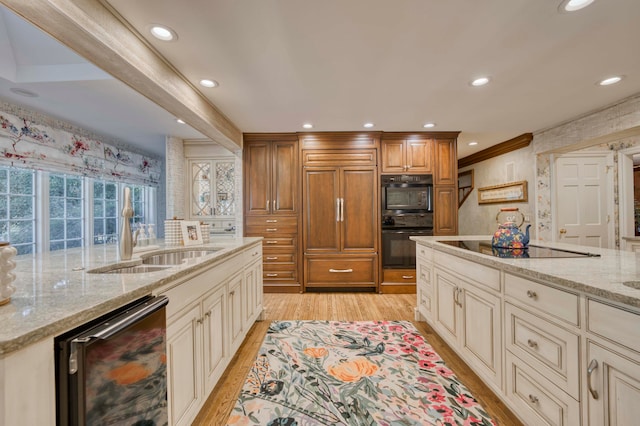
(272, 206)
(341, 212)
(207, 320)
(445, 210)
(405, 154)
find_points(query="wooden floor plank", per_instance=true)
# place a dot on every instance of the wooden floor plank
(338, 307)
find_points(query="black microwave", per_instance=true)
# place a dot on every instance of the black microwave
(407, 194)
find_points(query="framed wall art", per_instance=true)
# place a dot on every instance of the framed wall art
(514, 192)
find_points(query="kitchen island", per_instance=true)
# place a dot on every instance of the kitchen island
(556, 338)
(57, 291)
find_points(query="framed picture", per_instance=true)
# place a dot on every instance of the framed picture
(191, 232)
(515, 192)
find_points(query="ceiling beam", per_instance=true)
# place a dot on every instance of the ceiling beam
(493, 151)
(96, 33)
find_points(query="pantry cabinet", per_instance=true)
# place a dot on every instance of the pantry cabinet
(272, 205)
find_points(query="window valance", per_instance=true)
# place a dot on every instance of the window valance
(31, 140)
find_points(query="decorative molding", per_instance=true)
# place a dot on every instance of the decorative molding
(514, 144)
(418, 135)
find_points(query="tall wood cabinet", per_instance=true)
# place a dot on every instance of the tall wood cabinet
(341, 210)
(272, 206)
(445, 184)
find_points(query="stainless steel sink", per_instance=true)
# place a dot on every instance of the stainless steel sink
(176, 257)
(137, 269)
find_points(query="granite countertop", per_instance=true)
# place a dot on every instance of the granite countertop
(600, 276)
(55, 292)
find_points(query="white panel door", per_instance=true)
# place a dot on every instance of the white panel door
(581, 200)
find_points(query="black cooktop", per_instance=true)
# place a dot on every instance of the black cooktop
(532, 251)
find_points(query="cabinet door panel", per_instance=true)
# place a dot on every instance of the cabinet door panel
(445, 210)
(617, 382)
(257, 177)
(322, 232)
(215, 346)
(419, 156)
(446, 313)
(183, 367)
(360, 205)
(236, 324)
(285, 177)
(393, 156)
(446, 164)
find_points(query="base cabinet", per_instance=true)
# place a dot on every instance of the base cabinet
(207, 319)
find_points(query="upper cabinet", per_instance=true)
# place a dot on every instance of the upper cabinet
(212, 188)
(271, 183)
(405, 154)
(446, 165)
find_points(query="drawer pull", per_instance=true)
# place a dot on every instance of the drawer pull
(232, 293)
(208, 314)
(533, 399)
(340, 271)
(199, 320)
(272, 220)
(532, 294)
(407, 277)
(271, 275)
(271, 242)
(592, 366)
(272, 229)
(532, 343)
(272, 257)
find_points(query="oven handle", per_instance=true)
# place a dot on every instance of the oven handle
(115, 325)
(401, 231)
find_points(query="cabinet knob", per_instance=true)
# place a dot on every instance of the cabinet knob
(532, 343)
(531, 294)
(533, 399)
(199, 320)
(563, 231)
(232, 293)
(208, 314)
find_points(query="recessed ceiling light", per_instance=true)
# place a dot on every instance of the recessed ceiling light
(429, 125)
(368, 125)
(307, 126)
(208, 83)
(573, 5)
(473, 143)
(24, 92)
(180, 120)
(162, 32)
(481, 81)
(611, 80)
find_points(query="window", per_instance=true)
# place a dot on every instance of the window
(139, 201)
(17, 208)
(66, 218)
(105, 212)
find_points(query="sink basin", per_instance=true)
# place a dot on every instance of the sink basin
(632, 284)
(175, 257)
(137, 269)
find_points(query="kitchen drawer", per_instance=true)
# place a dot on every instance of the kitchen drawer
(555, 302)
(283, 275)
(407, 276)
(286, 258)
(537, 401)
(549, 349)
(271, 221)
(279, 242)
(424, 275)
(481, 275)
(275, 229)
(253, 254)
(340, 271)
(614, 324)
(424, 253)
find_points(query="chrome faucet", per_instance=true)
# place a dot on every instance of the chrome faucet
(127, 240)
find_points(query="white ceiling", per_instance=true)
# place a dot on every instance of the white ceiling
(339, 63)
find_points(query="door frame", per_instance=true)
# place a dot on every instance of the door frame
(626, 193)
(611, 228)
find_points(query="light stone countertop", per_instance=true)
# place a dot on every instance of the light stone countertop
(599, 276)
(55, 293)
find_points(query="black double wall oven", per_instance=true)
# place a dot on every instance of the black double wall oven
(407, 209)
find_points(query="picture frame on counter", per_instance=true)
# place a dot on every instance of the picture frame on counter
(191, 233)
(514, 192)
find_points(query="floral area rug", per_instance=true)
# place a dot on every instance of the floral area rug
(352, 373)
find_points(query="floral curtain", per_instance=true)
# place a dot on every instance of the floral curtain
(33, 141)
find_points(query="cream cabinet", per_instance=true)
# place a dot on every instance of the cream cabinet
(212, 188)
(208, 317)
(468, 317)
(424, 287)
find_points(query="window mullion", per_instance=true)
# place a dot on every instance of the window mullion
(42, 208)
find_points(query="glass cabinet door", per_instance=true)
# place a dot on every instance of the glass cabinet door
(201, 184)
(212, 188)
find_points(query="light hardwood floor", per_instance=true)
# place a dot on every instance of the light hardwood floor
(338, 307)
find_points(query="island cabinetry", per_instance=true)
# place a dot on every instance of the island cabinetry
(272, 206)
(612, 370)
(467, 313)
(404, 153)
(424, 288)
(207, 319)
(341, 212)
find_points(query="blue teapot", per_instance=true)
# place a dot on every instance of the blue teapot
(509, 235)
